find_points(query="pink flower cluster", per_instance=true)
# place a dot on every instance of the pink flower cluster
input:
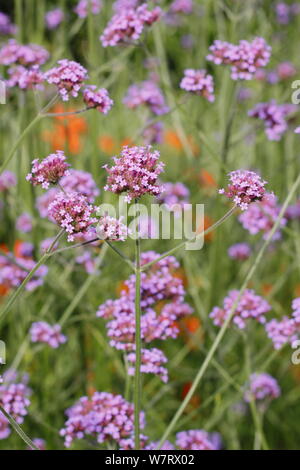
(109, 228)
(24, 223)
(195, 439)
(13, 271)
(273, 116)
(54, 18)
(261, 216)
(151, 363)
(6, 26)
(283, 71)
(81, 182)
(103, 416)
(72, 212)
(135, 172)
(68, 77)
(42, 332)
(245, 187)
(285, 12)
(199, 82)
(262, 387)
(287, 330)
(127, 25)
(249, 306)
(146, 93)
(30, 54)
(25, 78)
(245, 58)
(7, 180)
(240, 251)
(97, 98)
(49, 171)
(83, 6)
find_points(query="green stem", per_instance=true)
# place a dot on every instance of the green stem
(119, 253)
(223, 329)
(137, 375)
(19, 430)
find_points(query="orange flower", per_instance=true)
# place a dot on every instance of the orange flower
(297, 290)
(195, 400)
(127, 141)
(192, 324)
(172, 139)
(207, 179)
(107, 144)
(266, 288)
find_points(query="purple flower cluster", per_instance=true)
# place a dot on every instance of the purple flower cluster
(174, 196)
(195, 439)
(81, 182)
(261, 216)
(97, 98)
(240, 251)
(182, 6)
(6, 26)
(25, 78)
(286, 330)
(135, 172)
(7, 180)
(72, 212)
(49, 171)
(68, 77)
(262, 387)
(285, 12)
(245, 58)
(245, 187)
(249, 306)
(42, 332)
(283, 71)
(54, 18)
(24, 223)
(14, 399)
(109, 228)
(273, 116)
(199, 82)
(146, 93)
(30, 54)
(127, 25)
(151, 363)
(83, 6)
(104, 416)
(13, 271)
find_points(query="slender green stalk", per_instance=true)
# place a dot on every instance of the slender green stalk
(223, 329)
(138, 346)
(119, 253)
(19, 430)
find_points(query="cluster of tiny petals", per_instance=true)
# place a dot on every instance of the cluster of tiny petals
(199, 82)
(152, 361)
(81, 182)
(250, 306)
(13, 271)
(182, 6)
(97, 98)
(6, 26)
(262, 387)
(72, 212)
(104, 416)
(14, 398)
(273, 116)
(49, 171)
(194, 439)
(7, 180)
(68, 76)
(286, 330)
(128, 24)
(245, 187)
(239, 251)
(54, 18)
(30, 54)
(109, 228)
(135, 172)
(146, 93)
(25, 78)
(245, 58)
(261, 216)
(83, 6)
(42, 332)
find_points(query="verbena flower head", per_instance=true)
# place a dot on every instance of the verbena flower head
(152, 361)
(30, 54)
(49, 171)
(83, 6)
(6, 26)
(261, 216)
(109, 228)
(97, 98)
(244, 58)
(54, 18)
(245, 187)
(195, 439)
(146, 93)
(239, 251)
(135, 172)
(182, 6)
(273, 117)
(25, 78)
(72, 212)
(128, 24)
(81, 182)
(104, 416)
(68, 77)
(199, 82)
(250, 306)
(43, 202)
(7, 180)
(42, 332)
(24, 223)
(262, 387)
(14, 398)
(282, 332)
